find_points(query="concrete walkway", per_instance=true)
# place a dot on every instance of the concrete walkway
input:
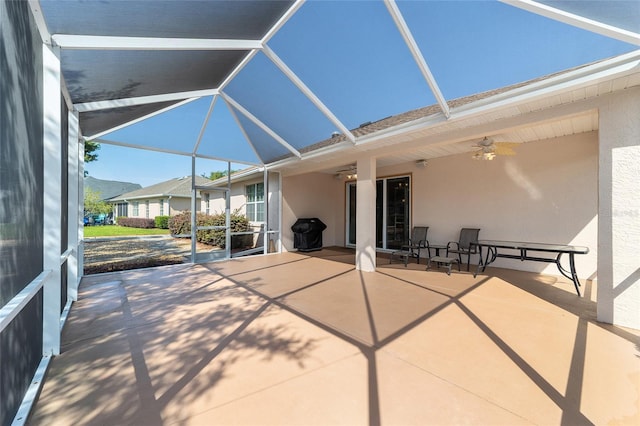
(308, 340)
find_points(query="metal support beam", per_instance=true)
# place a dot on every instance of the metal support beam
(169, 151)
(143, 100)
(307, 92)
(244, 132)
(52, 199)
(204, 124)
(193, 209)
(93, 42)
(576, 20)
(137, 120)
(75, 200)
(260, 124)
(417, 54)
(227, 213)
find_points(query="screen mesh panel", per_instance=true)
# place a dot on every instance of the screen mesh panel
(20, 354)
(229, 19)
(94, 122)
(21, 160)
(21, 200)
(119, 74)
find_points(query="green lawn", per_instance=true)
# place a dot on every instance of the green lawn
(116, 231)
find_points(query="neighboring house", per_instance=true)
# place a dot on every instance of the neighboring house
(109, 188)
(162, 199)
(247, 196)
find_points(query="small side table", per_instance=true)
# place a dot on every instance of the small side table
(441, 260)
(437, 248)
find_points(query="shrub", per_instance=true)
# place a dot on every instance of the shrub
(136, 222)
(162, 222)
(180, 225)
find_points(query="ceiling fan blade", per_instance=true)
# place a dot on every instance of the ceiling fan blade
(501, 150)
(505, 148)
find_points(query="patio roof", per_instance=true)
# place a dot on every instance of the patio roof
(258, 81)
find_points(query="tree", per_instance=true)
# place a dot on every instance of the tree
(218, 174)
(93, 204)
(90, 154)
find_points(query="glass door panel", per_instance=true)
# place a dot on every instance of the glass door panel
(351, 213)
(397, 212)
(392, 212)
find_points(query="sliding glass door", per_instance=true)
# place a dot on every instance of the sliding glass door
(393, 207)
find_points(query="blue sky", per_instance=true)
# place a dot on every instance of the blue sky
(352, 57)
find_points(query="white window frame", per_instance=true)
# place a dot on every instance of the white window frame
(254, 217)
(136, 208)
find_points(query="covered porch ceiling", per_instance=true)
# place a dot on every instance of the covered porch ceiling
(303, 86)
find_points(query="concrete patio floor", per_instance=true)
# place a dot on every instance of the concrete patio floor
(306, 339)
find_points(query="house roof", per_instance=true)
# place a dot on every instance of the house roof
(252, 58)
(109, 188)
(177, 187)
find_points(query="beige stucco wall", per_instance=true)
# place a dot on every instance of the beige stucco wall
(314, 195)
(238, 198)
(548, 192)
(172, 206)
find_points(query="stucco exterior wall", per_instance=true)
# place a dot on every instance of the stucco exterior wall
(547, 192)
(314, 195)
(172, 206)
(179, 205)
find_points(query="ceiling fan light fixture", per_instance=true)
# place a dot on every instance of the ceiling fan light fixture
(488, 156)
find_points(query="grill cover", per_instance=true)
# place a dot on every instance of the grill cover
(307, 234)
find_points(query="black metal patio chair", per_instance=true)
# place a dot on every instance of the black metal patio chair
(418, 241)
(463, 246)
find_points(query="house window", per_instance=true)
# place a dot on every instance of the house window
(161, 207)
(146, 209)
(136, 207)
(206, 202)
(255, 202)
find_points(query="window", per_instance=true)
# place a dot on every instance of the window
(255, 202)
(136, 207)
(161, 207)
(146, 209)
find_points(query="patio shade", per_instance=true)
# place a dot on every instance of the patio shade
(277, 78)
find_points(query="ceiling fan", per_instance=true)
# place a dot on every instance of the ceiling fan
(350, 172)
(488, 149)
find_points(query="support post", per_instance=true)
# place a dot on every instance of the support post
(75, 213)
(619, 211)
(366, 215)
(193, 209)
(227, 212)
(80, 230)
(265, 229)
(52, 200)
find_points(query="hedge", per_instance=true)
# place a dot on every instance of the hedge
(136, 222)
(180, 225)
(162, 222)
